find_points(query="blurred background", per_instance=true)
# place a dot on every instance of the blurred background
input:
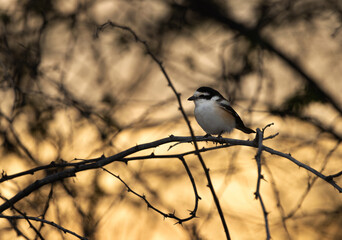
(66, 94)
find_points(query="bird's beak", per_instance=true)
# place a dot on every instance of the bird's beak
(192, 98)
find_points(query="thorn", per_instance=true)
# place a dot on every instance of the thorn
(179, 222)
(256, 195)
(171, 215)
(192, 213)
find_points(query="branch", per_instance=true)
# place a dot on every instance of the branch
(170, 84)
(120, 157)
(43, 221)
(331, 177)
(20, 144)
(149, 205)
(300, 164)
(259, 137)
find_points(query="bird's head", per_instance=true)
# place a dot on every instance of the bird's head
(205, 93)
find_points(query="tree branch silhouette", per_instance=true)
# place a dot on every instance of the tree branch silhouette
(149, 205)
(44, 221)
(170, 84)
(96, 163)
(259, 138)
(57, 171)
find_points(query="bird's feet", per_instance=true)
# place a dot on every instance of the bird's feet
(207, 135)
(220, 135)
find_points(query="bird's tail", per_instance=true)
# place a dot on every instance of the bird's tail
(245, 129)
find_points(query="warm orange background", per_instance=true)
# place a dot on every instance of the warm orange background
(146, 110)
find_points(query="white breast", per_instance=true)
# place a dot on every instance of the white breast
(212, 118)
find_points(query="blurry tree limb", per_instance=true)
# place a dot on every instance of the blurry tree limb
(214, 11)
(310, 183)
(313, 121)
(27, 220)
(14, 217)
(19, 143)
(46, 207)
(280, 206)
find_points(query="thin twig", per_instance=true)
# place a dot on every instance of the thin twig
(43, 221)
(259, 137)
(279, 204)
(47, 205)
(330, 177)
(149, 205)
(170, 84)
(311, 182)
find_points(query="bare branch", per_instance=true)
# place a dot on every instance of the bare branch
(43, 221)
(149, 205)
(120, 157)
(259, 138)
(170, 84)
(330, 177)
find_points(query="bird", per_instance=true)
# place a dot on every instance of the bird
(214, 113)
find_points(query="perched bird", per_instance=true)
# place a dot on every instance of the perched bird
(214, 113)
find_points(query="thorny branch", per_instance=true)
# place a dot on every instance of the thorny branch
(170, 84)
(149, 205)
(72, 168)
(259, 139)
(69, 169)
(43, 221)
